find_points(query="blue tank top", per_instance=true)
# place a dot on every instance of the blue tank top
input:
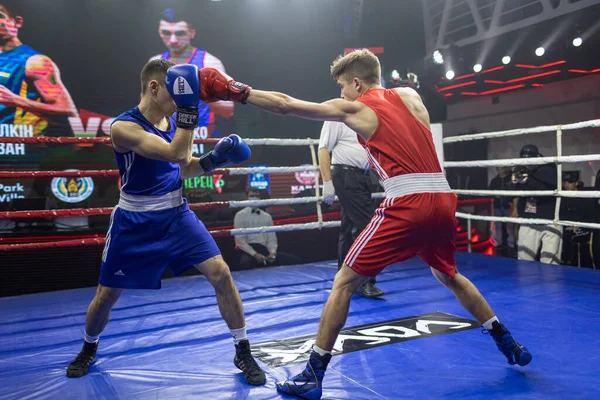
(203, 109)
(12, 76)
(144, 176)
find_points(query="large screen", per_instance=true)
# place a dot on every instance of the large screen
(69, 68)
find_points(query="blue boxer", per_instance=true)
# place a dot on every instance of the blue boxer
(152, 227)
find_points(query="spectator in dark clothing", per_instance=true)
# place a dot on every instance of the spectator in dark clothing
(532, 237)
(503, 233)
(576, 240)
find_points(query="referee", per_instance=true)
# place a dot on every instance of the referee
(346, 172)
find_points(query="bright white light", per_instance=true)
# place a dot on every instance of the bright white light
(506, 60)
(577, 41)
(438, 58)
(450, 75)
(477, 67)
(395, 74)
(540, 51)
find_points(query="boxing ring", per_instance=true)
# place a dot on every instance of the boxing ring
(415, 342)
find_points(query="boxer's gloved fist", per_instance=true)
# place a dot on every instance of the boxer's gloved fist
(328, 192)
(217, 85)
(183, 84)
(229, 150)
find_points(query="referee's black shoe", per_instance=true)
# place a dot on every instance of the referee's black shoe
(369, 290)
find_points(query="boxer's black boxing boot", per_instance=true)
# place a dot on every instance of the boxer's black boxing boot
(80, 365)
(247, 364)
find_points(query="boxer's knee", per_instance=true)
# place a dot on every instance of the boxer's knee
(222, 278)
(444, 279)
(107, 296)
(216, 271)
(347, 281)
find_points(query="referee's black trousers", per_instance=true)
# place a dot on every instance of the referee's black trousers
(353, 187)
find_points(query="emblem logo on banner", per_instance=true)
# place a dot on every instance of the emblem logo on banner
(72, 190)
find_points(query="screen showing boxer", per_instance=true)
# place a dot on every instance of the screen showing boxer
(33, 99)
(69, 70)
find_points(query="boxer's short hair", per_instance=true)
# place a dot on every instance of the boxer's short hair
(361, 64)
(154, 70)
(12, 10)
(175, 15)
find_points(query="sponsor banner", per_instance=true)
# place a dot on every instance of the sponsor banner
(204, 182)
(259, 181)
(11, 191)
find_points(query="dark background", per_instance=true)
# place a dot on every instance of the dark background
(100, 47)
(284, 45)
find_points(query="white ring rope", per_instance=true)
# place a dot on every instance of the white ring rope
(527, 221)
(478, 163)
(530, 193)
(558, 159)
(336, 224)
(594, 123)
(272, 202)
(286, 201)
(315, 161)
(270, 170)
(450, 164)
(282, 142)
(509, 162)
(285, 228)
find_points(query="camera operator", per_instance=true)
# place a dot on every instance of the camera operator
(533, 237)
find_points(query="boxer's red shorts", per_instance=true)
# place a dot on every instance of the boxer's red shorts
(420, 224)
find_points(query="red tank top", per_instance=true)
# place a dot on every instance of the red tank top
(401, 144)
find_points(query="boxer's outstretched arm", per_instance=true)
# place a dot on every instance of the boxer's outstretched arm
(216, 85)
(222, 108)
(279, 103)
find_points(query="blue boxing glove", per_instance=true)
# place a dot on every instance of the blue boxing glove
(229, 150)
(183, 84)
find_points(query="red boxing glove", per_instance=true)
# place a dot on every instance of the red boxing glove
(217, 85)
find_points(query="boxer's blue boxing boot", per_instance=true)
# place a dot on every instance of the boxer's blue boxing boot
(514, 352)
(308, 384)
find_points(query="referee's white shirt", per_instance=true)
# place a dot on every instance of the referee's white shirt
(342, 142)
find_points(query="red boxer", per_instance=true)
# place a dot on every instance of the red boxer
(417, 218)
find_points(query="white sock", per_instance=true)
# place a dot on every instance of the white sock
(319, 350)
(238, 334)
(90, 339)
(488, 324)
